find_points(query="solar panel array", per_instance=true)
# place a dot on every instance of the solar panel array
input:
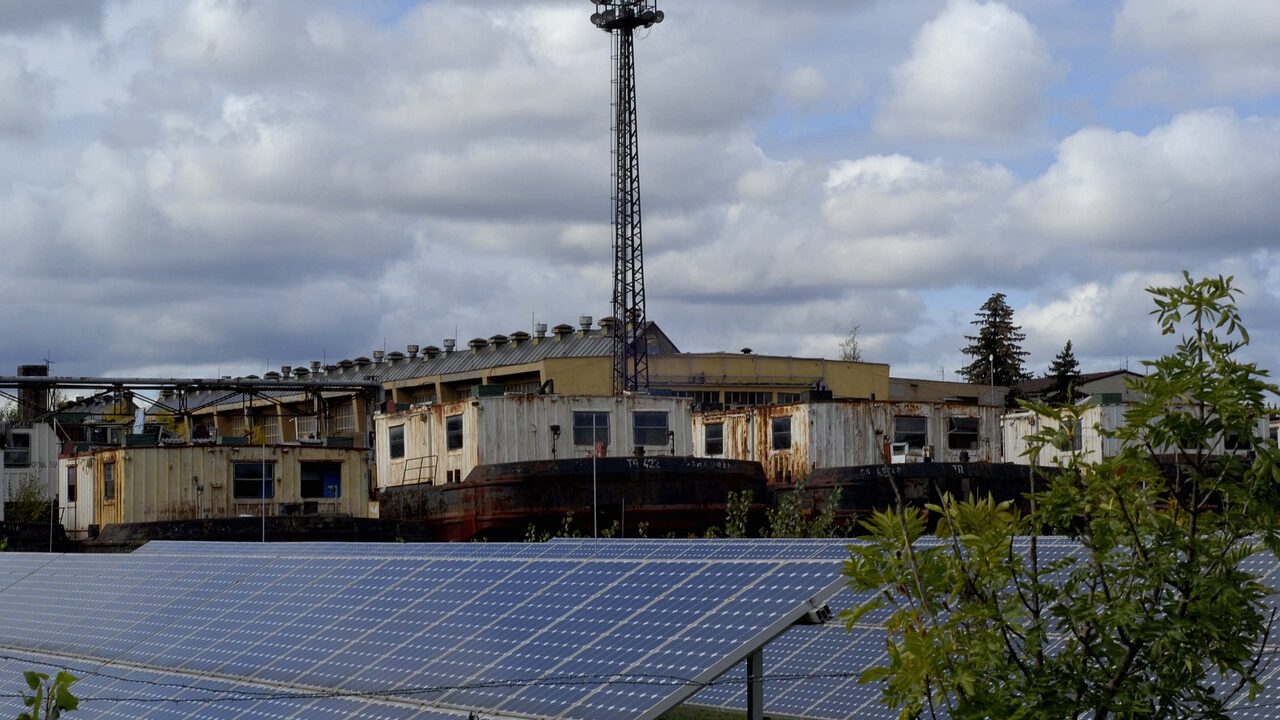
(415, 631)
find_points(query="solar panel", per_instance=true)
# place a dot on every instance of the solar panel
(535, 630)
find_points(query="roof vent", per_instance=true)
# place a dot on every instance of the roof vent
(746, 351)
(315, 366)
(251, 377)
(477, 344)
(395, 356)
(540, 329)
(450, 344)
(519, 337)
(584, 322)
(273, 375)
(301, 372)
(346, 364)
(286, 370)
(607, 324)
(328, 369)
(497, 341)
(413, 352)
(430, 351)
(378, 355)
(363, 361)
(562, 331)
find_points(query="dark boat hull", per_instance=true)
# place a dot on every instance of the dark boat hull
(867, 488)
(656, 496)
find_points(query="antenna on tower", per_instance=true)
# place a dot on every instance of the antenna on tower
(620, 18)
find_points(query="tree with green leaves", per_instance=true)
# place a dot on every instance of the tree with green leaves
(1148, 608)
(996, 350)
(1065, 371)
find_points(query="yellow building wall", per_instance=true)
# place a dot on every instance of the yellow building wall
(580, 376)
(727, 371)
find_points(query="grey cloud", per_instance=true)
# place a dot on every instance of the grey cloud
(23, 16)
(26, 96)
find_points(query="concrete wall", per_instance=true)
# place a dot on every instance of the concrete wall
(514, 428)
(842, 434)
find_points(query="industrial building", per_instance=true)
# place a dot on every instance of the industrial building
(562, 360)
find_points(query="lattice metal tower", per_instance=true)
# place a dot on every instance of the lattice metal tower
(621, 18)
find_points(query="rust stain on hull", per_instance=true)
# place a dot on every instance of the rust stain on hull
(670, 495)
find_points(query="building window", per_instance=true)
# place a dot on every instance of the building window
(253, 480)
(714, 442)
(307, 427)
(780, 432)
(788, 397)
(912, 431)
(962, 433)
(590, 428)
(1112, 398)
(234, 426)
(321, 480)
(71, 483)
(395, 437)
(453, 432)
(746, 399)
(650, 427)
(109, 481)
(18, 451)
(271, 426)
(344, 419)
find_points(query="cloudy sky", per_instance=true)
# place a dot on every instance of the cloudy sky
(224, 186)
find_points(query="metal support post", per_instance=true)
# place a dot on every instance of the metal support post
(755, 685)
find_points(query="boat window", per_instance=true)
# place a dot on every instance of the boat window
(395, 436)
(453, 432)
(109, 481)
(650, 428)
(254, 480)
(714, 439)
(590, 427)
(780, 429)
(914, 431)
(962, 433)
(321, 480)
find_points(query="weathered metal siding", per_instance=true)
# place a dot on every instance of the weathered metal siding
(1095, 422)
(185, 483)
(515, 428)
(76, 517)
(842, 433)
(42, 465)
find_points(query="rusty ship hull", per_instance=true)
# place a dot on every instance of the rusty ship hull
(864, 489)
(657, 496)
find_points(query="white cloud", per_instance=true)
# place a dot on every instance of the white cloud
(977, 71)
(1235, 42)
(1205, 183)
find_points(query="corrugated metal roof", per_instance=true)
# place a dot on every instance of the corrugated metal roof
(593, 343)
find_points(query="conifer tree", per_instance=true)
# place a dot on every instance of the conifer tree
(997, 348)
(1065, 372)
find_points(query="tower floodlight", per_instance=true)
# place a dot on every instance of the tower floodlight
(620, 18)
